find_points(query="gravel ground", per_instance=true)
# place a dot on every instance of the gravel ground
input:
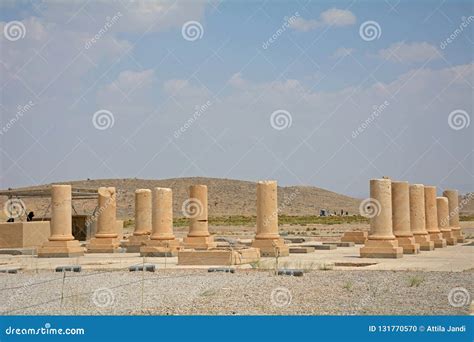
(252, 292)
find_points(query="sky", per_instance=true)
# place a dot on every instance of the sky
(321, 93)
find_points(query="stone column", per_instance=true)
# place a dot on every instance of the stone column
(453, 205)
(381, 242)
(267, 238)
(431, 217)
(61, 242)
(401, 218)
(417, 217)
(443, 220)
(195, 208)
(106, 238)
(142, 221)
(162, 240)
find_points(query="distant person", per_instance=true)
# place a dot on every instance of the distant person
(342, 212)
(30, 216)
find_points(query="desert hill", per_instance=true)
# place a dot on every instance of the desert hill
(226, 197)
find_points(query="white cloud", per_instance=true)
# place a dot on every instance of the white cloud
(342, 52)
(129, 80)
(338, 17)
(331, 17)
(301, 24)
(415, 52)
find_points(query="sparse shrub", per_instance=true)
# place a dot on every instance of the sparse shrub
(415, 281)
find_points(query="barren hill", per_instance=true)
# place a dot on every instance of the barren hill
(226, 197)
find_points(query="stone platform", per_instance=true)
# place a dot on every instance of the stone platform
(219, 256)
(451, 259)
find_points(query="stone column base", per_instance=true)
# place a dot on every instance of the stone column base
(199, 242)
(381, 249)
(356, 237)
(425, 243)
(60, 249)
(408, 244)
(438, 240)
(271, 247)
(458, 235)
(134, 243)
(448, 235)
(160, 248)
(103, 245)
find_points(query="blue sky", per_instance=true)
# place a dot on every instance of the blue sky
(322, 73)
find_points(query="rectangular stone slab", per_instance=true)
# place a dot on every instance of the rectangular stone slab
(321, 247)
(301, 250)
(218, 257)
(340, 243)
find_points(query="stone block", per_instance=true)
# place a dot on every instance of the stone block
(424, 241)
(381, 249)
(341, 243)
(218, 256)
(24, 234)
(199, 242)
(301, 250)
(357, 237)
(408, 244)
(271, 247)
(438, 240)
(135, 242)
(60, 249)
(160, 248)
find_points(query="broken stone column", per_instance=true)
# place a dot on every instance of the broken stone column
(453, 205)
(431, 217)
(443, 221)
(417, 217)
(106, 238)
(61, 242)
(401, 218)
(162, 241)
(267, 238)
(142, 221)
(381, 242)
(195, 208)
